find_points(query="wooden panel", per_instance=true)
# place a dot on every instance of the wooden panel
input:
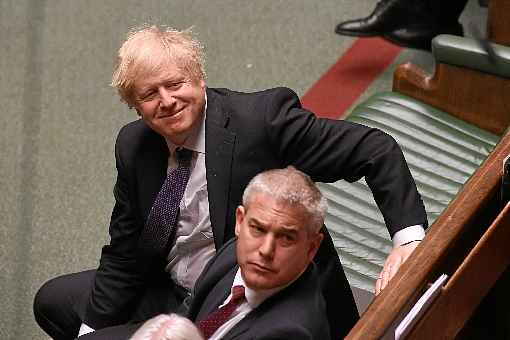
(475, 97)
(498, 27)
(470, 283)
(444, 242)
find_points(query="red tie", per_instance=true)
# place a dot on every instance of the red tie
(214, 321)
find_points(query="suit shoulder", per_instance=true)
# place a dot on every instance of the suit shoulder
(135, 137)
(224, 259)
(238, 95)
(302, 304)
(137, 132)
(134, 129)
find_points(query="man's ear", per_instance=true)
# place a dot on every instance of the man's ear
(315, 242)
(240, 211)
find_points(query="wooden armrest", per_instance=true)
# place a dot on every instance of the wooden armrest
(475, 97)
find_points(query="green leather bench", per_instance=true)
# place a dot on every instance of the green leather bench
(442, 151)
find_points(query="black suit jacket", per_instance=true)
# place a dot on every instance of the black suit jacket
(297, 312)
(246, 134)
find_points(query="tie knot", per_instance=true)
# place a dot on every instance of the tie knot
(183, 155)
(237, 294)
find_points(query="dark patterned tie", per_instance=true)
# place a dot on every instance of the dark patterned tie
(163, 215)
(214, 320)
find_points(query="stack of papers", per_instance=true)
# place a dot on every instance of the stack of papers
(419, 308)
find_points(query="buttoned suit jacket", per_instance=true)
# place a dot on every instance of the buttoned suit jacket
(246, 133)
(297, 312)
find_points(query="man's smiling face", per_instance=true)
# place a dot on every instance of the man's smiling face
(171, 103)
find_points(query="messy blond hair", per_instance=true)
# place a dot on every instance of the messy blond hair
(149, 50)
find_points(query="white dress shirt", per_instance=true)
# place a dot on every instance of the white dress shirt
(253, 299)
(194, 243)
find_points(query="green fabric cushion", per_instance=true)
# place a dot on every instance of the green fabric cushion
(469, 53)
(442, 152)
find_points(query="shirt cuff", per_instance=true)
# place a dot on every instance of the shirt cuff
(409, 234)
(84, 329)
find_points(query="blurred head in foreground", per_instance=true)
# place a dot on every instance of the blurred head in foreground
(167, 327)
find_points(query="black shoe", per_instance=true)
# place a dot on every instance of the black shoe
(420, 37)
(387, 16)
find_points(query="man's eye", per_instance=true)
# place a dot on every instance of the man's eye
(174, 85)
(147, 96)
(287, 240)
(256, 229)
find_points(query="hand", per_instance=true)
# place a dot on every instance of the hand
(397, 256)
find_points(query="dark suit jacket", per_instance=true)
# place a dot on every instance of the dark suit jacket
(246, 134)
(297, 312)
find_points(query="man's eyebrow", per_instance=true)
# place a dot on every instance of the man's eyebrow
(144, 89)
(289, 229)
(173, 79)
(254, 220)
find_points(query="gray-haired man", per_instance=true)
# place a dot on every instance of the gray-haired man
(278, 234)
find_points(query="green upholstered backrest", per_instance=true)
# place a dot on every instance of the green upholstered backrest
(470, 53)
(442, 153)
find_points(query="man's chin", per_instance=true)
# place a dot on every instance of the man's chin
(175, 133)
(259, 282)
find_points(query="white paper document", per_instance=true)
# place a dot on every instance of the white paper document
(419, 308)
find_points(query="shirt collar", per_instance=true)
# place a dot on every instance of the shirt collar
(196, 139)
(255, 297)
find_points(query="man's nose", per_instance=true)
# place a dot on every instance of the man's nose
(267, 247)
(166, 98)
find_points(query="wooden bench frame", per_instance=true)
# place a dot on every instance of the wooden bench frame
(469, 284)
(449, 240)
(454, 242)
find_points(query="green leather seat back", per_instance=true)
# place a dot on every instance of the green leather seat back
(442, 153)
(471, 54)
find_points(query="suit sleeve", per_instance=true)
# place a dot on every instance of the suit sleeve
(119, 277)
(285, 334)
(330, 150)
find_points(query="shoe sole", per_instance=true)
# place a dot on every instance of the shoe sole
(356, 34)
(424, 44)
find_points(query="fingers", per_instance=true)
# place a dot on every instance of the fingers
(394, 268)
(378, 286)
(389, 270)
(383, 279)
(397, 256)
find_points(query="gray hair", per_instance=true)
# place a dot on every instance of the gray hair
(168, 327)
(292, 187)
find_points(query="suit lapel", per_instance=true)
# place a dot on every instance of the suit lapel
(151, 170)
(218, 294)
(241, 327)
(249, 320)
(271, 304)
(219, 146)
